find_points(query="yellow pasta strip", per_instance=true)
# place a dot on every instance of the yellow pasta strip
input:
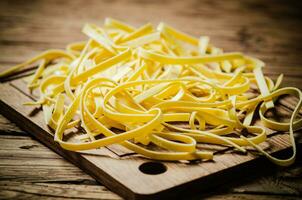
(148, 28)
(102, 66)
(203, 44)
(262, 85)
(37, 74)
(109, 22)
(48, 55)
(187, 60)
(142, 40)
(178, 34)
(166, 140)
(98, 35)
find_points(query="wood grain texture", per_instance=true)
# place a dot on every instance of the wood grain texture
(270, 30)
(17, 180)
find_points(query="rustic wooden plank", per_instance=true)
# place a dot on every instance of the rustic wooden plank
(55, 190)
(285, 182)
(8, 127)
(19, 155)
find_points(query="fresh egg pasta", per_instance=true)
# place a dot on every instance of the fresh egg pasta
(145, 82)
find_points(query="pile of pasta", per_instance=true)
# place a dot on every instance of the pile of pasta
(156, 86)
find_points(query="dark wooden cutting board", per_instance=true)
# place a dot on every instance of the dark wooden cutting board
(131, 175)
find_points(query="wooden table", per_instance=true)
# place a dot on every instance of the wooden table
(269, 30)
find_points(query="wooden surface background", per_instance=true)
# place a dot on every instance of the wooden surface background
(269, 30)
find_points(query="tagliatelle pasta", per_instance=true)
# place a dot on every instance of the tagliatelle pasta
(156, 86)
